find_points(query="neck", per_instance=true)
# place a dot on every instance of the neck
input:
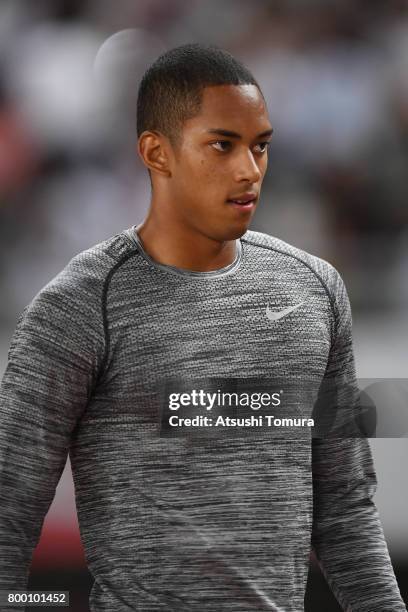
(172, 243)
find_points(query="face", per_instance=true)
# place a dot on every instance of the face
(218, 167)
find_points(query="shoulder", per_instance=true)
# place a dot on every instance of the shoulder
(85, 275)
(325, 273)
(74, 297)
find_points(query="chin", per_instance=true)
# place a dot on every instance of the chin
(231, 233)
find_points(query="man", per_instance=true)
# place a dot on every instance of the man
(190, 522)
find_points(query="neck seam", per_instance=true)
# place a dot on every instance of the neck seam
(183, 272)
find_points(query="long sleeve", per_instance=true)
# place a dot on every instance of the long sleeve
(52, 366)
(347, 536)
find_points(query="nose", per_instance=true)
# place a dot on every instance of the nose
(246, 168)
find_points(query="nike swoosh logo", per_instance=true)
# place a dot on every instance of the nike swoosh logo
(276, 315)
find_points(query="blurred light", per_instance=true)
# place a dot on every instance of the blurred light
(122, 60)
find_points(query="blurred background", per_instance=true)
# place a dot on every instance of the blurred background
(335, 77)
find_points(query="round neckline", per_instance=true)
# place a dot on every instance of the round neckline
(135, 238)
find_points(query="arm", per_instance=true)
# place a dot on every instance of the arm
(347, 535)
(52, 366)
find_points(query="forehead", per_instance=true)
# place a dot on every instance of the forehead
(234, 107)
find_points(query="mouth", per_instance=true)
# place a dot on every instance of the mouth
(245, 202)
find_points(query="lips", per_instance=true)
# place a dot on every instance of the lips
(243, 199)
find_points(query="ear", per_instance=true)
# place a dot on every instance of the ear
(153, 150)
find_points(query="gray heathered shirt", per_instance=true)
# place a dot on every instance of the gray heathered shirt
(182, 523)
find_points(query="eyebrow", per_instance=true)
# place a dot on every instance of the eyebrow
(231, 134)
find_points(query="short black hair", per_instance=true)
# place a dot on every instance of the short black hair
(170, 91)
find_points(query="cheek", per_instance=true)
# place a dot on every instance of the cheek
(203, 172)
(202, 165)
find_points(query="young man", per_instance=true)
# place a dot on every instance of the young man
(204, 522)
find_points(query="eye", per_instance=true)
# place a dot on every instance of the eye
(221, 145)
(264, 146)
